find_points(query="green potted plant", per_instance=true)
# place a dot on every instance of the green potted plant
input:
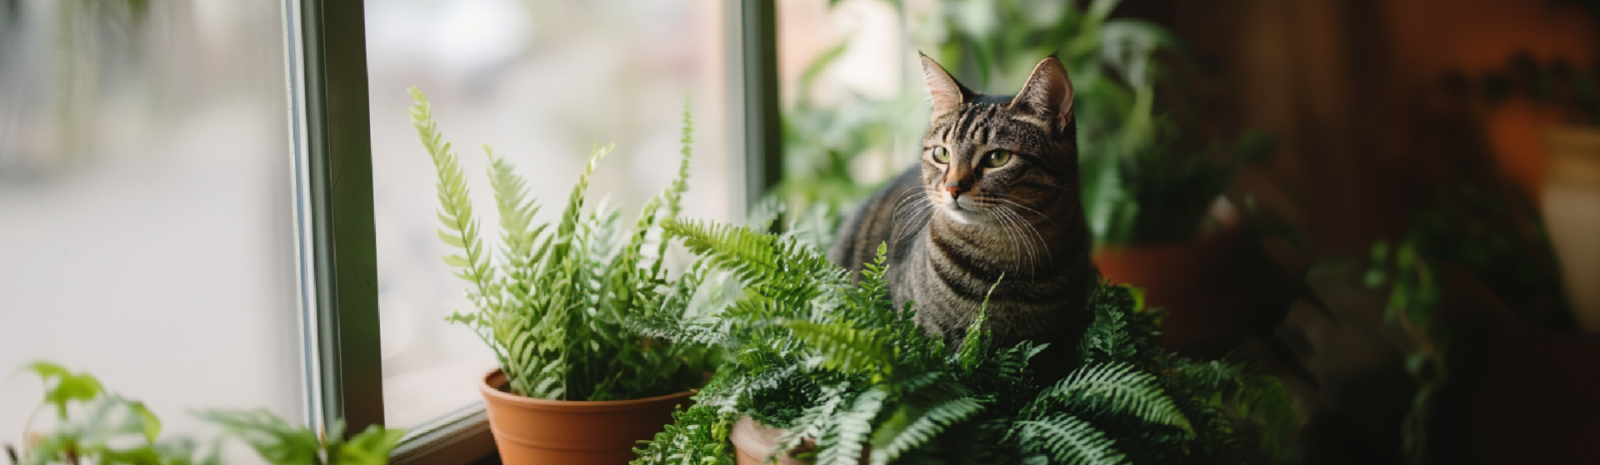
(828, 372)
(577, 382)
(93, 425)
(1151, 207)
(1147, 181)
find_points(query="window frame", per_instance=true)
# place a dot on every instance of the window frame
(337, 263)
(325, 47)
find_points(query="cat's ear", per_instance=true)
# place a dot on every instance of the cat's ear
(948, 95)
(1047, 93)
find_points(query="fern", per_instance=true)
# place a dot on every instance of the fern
(976, 344)
(698, 436)
(1068, 440)
(914, 425)
(836, 364)
(559, 304)
(847, 349)
(842, 445)
(1119, 388)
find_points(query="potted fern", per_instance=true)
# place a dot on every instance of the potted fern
(577, 383)
(828, 372)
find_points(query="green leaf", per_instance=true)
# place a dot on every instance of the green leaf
(63, 386)
(370, 447)
(845, 348)
(451, 239)
(275, 440)
(148, 423)
(1119, 388)
(1069, 439)
(913, 425)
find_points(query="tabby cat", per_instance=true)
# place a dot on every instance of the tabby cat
(996, 194)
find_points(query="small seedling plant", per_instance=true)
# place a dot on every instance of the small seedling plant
(97, 426)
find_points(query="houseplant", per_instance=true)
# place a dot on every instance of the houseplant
(828, 142)
(1148, 179)
(576, 384)
(851, 380)
(97, 426)
(1151, 212)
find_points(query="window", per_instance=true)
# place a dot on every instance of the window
(145, 226)
(541, 82)
(221, 203)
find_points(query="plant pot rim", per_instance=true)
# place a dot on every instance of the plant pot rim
(495, 378)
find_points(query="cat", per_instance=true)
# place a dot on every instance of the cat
(996, 193)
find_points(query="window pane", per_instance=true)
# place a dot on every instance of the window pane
(541, 81)
(145, 221)
(853, 101)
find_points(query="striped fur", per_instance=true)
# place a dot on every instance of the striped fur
(955, 228)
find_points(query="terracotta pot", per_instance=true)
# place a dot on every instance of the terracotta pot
(530, 431)
(753, 443)
(1196, 281)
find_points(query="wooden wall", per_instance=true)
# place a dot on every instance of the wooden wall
(1357, 93)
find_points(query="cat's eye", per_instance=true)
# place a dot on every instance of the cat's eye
(941, 155)
(996, 158)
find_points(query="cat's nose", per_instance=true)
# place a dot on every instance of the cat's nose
(955, 191)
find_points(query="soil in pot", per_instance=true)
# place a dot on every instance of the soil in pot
(530, 431)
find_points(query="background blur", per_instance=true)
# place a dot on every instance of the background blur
(146, 234)
(1316, 185)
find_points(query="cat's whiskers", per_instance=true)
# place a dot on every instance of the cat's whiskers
(921, 206)
(916, 221)
(1032, 252)
(1018, 205)
(1031, 228)
(906, 195)
(1013, 234)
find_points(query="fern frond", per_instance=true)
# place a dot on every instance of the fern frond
(914, 425)
(765, 213)
(1119, 388)
(847, 349)
(455, 211)
(1068, 440)
(572, 215)
(976, 344)
(869, 300)
(680, 184)
(519, 238)
(818, 417)
(779, 270)
(844, 446)
(1122, 331)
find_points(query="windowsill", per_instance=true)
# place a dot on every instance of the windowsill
(460, 438)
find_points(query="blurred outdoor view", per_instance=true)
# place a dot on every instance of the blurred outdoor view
(542, 82)
(145, 205)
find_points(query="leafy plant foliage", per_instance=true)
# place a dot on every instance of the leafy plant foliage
(1149, 172)
(101, 427)
(555, 303)
(850, 378)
